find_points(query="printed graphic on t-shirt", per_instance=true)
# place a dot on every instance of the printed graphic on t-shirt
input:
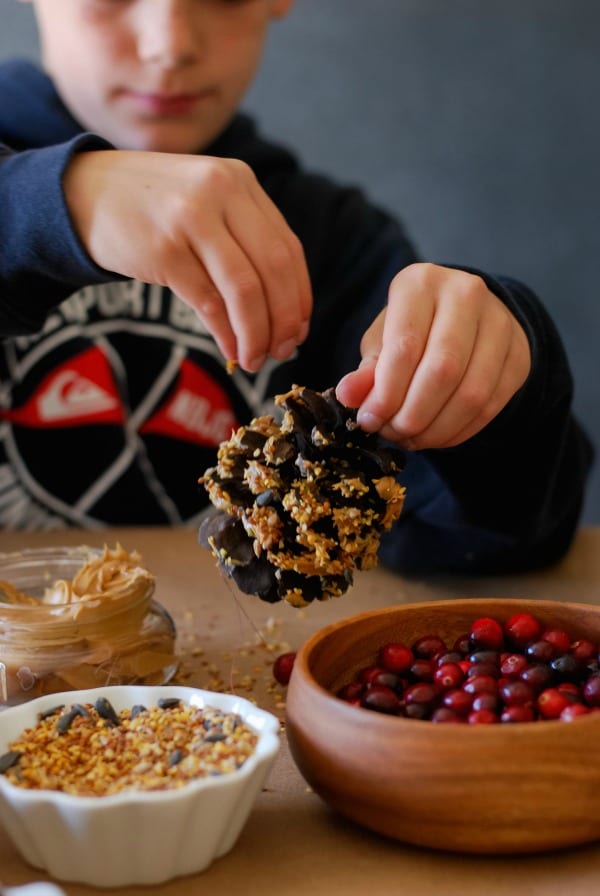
(111, 414)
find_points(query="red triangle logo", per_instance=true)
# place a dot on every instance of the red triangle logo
(198, 411)
(80, 392)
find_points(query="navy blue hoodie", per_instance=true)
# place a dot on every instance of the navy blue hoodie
(114, 397)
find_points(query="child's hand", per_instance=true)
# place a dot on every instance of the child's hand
(205, 228)
(439, 363)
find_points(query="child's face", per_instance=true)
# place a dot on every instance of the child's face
(162, 75)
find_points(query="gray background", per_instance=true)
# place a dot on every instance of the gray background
(476, 121)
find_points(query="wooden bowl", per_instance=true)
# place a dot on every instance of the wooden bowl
(504, 788)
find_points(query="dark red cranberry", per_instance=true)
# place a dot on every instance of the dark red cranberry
(450, 656)
(538, 675)
(422, 670)
(591, 691)
(522, 628)
(486, 701)
(423, 692)
(459, 701)
(462, 644)
(426, 647)
(351, 691)
(558, 638)
(417, 711)
(368, 673)
(566, 667)
(381, 699)
(489, 657)
(480, 684)
(282, 667)
(484, 669)
(517, 693)
(486, 634)
(540, 651)
(389, 679)
(517, 714)
(571, 690)
(396, 657)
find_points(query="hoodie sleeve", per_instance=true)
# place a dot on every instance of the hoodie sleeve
(42, 260)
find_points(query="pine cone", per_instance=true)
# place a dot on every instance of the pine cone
(300, 505)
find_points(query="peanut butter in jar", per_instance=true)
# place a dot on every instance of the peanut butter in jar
(79, 617)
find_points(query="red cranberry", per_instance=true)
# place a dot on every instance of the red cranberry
(574, 711)
(486, 634)
(513, 664)
(381, 699)
(558, 638)
(396, 657)
(282, 667)
(462, 644)
(522, 628)
(482, 717)
(551, 703)
(490, 669)
(389, 679)
(584, 650)
(448, 676)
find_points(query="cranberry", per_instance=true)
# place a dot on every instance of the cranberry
(480, 684)
(490, 669)
(396, 657)
(522, 628)
(450, 656)
(448, 676)
(486, 633)
(513, 664)
(566, 666)
(482, 717)
(517, 713)
(443, 714)
(368, 673)
(459, 701)
(584, 650)
(540, 651)
(517, 693)
(389, 679)
(422, 670)
(591, 691)
(558, 638)
(424, 693)
(573, 711)
(426, 647)
(488, 657)
(538, 675)
(351, 691)
(381, 699)
(462, 644)
(486, 701)
(551, 703)
(282, 667)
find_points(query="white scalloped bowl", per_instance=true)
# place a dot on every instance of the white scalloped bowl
(134, 837)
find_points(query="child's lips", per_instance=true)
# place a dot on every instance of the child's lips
(165, 104)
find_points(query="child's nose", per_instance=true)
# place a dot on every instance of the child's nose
(167, 32)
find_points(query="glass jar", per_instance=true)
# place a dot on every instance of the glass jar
(79, 617)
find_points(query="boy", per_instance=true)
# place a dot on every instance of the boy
(131, 276)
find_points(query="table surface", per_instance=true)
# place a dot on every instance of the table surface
(293, 843)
